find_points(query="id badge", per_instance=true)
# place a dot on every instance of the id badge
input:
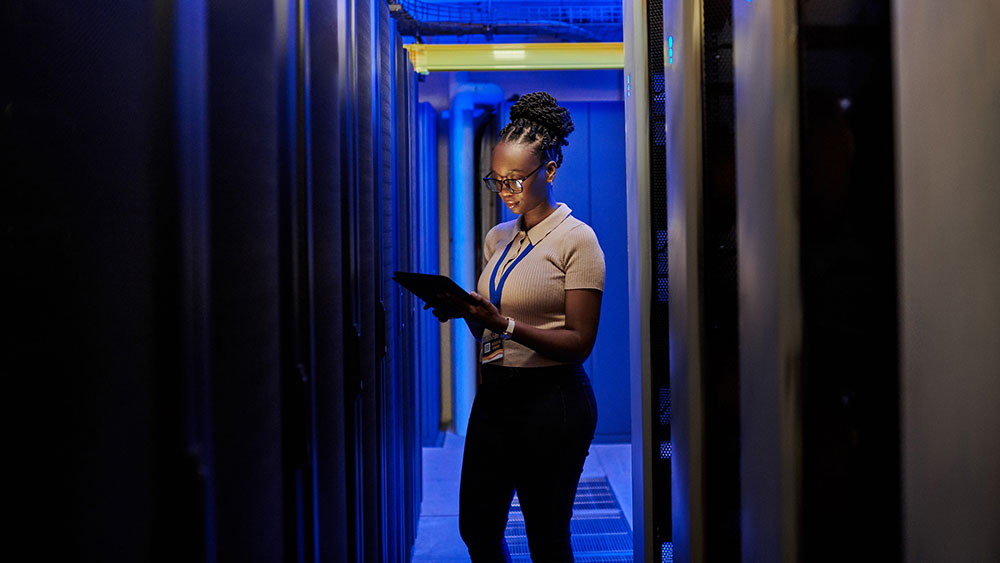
(492, 349)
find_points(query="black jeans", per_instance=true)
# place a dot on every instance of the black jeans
(530, 430)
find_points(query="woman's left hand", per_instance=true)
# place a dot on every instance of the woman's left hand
(485, 314)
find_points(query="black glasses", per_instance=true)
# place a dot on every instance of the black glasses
(513, 186)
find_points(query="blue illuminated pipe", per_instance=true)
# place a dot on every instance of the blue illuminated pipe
(429, 327)
(461, 211)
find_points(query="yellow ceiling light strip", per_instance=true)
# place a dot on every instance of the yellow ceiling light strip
(516, 56)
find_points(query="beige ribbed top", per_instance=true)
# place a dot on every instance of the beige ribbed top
(566, 255)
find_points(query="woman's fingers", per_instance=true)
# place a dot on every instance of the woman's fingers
(485, 305)
(458, 307)
(454, 306)
(438, 312)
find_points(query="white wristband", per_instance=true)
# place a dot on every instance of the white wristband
(510, 329)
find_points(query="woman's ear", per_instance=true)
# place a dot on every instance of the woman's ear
(550, 171)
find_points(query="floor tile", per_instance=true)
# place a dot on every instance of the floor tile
(439, 540)
(442, 464)
(592, 466)
(616, 459)
(440, 498)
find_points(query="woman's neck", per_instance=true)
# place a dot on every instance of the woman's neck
(538, 213)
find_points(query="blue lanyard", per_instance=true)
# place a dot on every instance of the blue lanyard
(495, 290)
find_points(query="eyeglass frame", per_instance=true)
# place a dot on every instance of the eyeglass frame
(518, 181)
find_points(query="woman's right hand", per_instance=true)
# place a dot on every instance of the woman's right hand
(445, 313)
(457, 309)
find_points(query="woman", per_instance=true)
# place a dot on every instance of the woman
(534, 414)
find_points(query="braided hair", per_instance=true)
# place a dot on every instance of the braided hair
(538, 121)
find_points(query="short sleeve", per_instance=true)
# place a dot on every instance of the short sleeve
(584, 259)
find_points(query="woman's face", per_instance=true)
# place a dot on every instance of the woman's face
(515, 161)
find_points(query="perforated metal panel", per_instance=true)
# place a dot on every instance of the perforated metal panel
(666, 450)
(599, 529)
(667, 552)
(665, 407)
(659, 316)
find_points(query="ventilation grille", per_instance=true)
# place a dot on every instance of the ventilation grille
(667, 552)
(599, 529)
(659, 96)
(665, 407)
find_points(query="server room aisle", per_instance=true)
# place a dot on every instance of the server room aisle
(602, 513)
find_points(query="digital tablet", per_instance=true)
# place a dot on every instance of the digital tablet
(428, 286)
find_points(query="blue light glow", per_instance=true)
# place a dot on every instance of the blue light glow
(670, 49)
(667, 549)
(666, 450)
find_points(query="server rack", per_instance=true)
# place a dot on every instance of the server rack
(192, 249)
